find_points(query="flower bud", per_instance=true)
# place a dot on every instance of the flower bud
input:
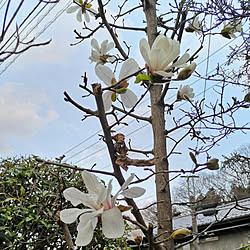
(180, 233)
(186, 72)
(185, 93)
(247, 97)
(213, 164)
(113, 97)
(190, 29)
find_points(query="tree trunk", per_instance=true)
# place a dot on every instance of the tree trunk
(164, 209)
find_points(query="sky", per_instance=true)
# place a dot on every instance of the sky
(35, 119)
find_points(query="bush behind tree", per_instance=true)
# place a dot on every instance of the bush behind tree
(30, 198)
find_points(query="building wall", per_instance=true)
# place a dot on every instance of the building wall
(229, 241)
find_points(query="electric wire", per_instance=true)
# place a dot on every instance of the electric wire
(205, 82)
(204, 60)
(19, 26)
(150, 145)
(193, 83)
(86, 157)
(3, 4)
(41, 32)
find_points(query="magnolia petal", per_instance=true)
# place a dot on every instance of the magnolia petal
(86, 17)
(112, 223)
(110, 46)
(133, 192)
(233, 35)
(123, 187)
(158, 59)
(175, 50)
(129, 67)
(145, 50)
(85, 229)
(95, 44)
(164, 73)
(102, 196)
(182, 61)
(105, 74)
(70, 215)
(111, 59)
(95, 56)
(108, 203)
(77, 197)
(161, 41)
(104, 47)
(107, 100)
(127, 182)
(79, 16)
(91, 182)
(72, 9)
(129, 98)
(73, 195)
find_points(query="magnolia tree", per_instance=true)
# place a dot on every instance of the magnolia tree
(164, 71)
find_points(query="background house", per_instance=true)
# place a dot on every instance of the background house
(230, 230)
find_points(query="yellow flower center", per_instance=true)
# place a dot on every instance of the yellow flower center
(85, 5)
(104, 58)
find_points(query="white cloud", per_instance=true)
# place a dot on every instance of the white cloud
(23, 112)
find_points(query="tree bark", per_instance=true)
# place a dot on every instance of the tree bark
(111, 149)
(164, 208)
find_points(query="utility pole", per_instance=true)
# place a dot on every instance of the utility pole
(194, 245)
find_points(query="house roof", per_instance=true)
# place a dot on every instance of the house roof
(186, 221)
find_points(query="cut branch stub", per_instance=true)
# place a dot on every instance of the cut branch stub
(120, 145)
(124, 162)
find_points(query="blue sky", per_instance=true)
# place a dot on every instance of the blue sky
(35, 119)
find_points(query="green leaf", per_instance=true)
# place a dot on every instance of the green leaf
(121, 90)
(20, 223)
(22, 191)
(142, 77)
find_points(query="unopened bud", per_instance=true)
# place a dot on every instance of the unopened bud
(247, 97)
(180, 233)
(113, 97)
(189, 28)
(213, 164)
(192, 156)
(226, 33)
(186, 72)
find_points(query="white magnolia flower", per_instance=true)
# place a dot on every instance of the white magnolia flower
(164, 51)
(105, 74)
(82, 8)
(101, 205)
(99, 54)
(231, 28)
(194, 26)
(184, 93)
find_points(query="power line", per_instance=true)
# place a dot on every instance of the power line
(43, 30)
(3, 4)
(134, 131)
(13, 34)
(215, 52)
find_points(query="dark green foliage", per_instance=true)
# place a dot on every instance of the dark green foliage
(30, 199)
